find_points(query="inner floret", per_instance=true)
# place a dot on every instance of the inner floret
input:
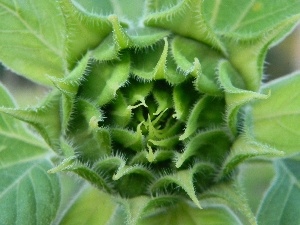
(148, 114)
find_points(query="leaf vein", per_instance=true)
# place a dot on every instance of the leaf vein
(23, 139)
(215, 12)
(271, 117)
(28, 159)
(31, 30)
(265, 15)
(242, 16)
(291, 175)
(17, 181)
(284, 126)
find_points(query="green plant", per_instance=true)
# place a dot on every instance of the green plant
(157, 104)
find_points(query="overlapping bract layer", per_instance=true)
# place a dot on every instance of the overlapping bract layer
(142, 124)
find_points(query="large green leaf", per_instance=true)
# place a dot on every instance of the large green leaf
(280, 205)
(28, 194)
(89, 206)
(32, 38)
(188, 215)
(275, 120)
(248, 18)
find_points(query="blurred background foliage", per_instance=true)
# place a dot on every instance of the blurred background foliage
(284, 58)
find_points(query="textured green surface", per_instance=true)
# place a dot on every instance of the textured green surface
(154, 102)
(33, 35)
(25, 187)
(275, 120)
(282, 198)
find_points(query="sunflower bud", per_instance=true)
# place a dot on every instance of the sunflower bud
(151, 114)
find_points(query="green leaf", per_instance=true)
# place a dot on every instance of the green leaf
(242, 149)
(275, 121)
(146, 63)
(156, 63)
(107, 50)
(230, 195)
(129, 9)
(25, 187)
(77, 21)
(146, 36)
(132, 211)
(95, 7)
(69, 87)
(134, 208)
(247, 30)
(182, 101)
(102, 89)
(128, 138)
(150, 156)
(197, 118)
(45, 118)
(248, 57)
(141, 170)
(280, 205)
(118, 7)
(235, 94)
(187, 214)
(88, 206)
(121, 37)
(89, 142)
(74, 165)
(160, 67)
(69, 84)
(35, 36)
(255, 176)
(178, 17)
(248, 19)
(200, 60)
(204, 146)
(182, 179)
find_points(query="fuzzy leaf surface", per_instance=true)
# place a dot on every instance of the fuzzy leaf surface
(25, 186)
(281, 202)
(247, 30)
(39, 118)
(235, 94)
(232, 195)
(245, 148)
